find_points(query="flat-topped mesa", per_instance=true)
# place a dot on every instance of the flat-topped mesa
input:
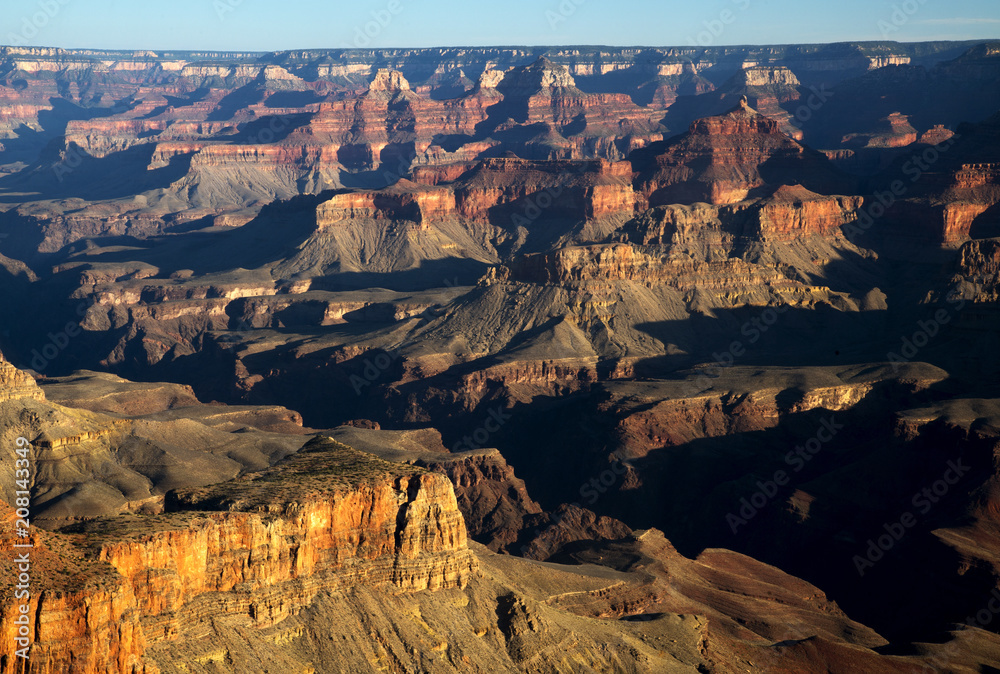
(17, 385)
(101, 137)
(650, 417)
(539, 76)
(438, 174)
(405, 201)
(892, 131)
(732, 281)
(200, 74)
(716, 283)
(389, 81)
(610, 263)
(794, 212)
(583, 190)
(767, 76)
(791, 213)
(327, 509)
(936, 135)
(340, 509)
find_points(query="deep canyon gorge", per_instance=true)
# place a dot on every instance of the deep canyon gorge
(503, 359)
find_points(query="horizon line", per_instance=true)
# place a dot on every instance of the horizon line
(506, 47)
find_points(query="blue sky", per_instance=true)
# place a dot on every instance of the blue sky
(265, 25)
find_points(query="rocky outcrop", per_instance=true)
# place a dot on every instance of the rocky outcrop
(568, 525)
(794, 212)
(936, 135)
(82, 615)
(493, 500)
(577, 190)
(763, 76)
(574, 124)
(703, 407)
(264, 547)
(16, 384)
(957, 188)
(319, 545)
(774, 91)
(406, 201)
(510, 192)
(101, 137)
(895, 131)
(977, 278)
(390, 81)
(727, 282)
(721, 160)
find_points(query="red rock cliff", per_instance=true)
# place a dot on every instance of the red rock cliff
(261, 546)
(720, 161)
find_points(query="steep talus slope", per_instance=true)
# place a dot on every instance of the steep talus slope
(120, 454)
